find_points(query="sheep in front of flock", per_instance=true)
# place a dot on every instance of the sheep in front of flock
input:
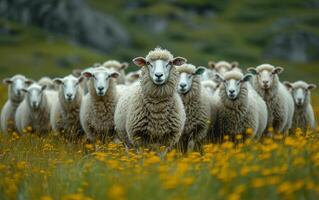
(98, 106)
(65, 113)
(198, 107)
(151, 114)
(279, 102)
(303, 117)
(239, 108)
(117, 67)
(34, 110)
(15, 96)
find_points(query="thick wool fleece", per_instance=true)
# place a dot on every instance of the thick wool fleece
(237, 116)
(279, 102)
(304, 117)
(97, 113)
(151, 115)
(65, 116)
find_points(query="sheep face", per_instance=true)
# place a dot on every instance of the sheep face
(232, 85)
(101, 78)
(70, 85)
(34, 95)
(17, 83)
(266, 75)
(186, 80)
(159, 69)
(300, 91)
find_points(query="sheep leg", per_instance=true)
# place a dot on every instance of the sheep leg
(190, 146)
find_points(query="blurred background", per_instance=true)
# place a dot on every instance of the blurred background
(52, 37)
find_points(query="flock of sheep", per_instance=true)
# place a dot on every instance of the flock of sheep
(168, 102)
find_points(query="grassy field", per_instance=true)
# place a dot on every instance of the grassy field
(33, 167)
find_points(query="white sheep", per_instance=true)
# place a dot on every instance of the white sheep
(210, 86)
(15, 97)
(132, 77)
(279, 102)
(65, 113)
(98, 106)
(151, 113)
(48, 82)
(198, 106)
(117, 67)
(222, 67)
(303, 116)
(239, 107)
(34, 110)
(78, 73)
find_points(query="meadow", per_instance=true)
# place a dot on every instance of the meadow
(33, 167)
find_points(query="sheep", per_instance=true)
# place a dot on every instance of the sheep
(78, 73)
(118, 67)
(279, 102)
(222, 67)
(48, 82)
(210, 86)
(132, 77)
(239, 107)
(34, 110)
(151, 113)
(197, 106)
(65, 113)
(98, 106)
(303, 117)
(15, 97)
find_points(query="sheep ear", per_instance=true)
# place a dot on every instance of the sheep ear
(139, 61)
(234, 64)
(252, 70)
(219, 78)
(178, 61)
(77, 72)
(87, 74)
(124, 65)
(114, 74)
(7, 81)
(28, 82)
(200, 70)
(136, 75)
(287, 84)
(57, 81)
(311, 86)
(246, 77)
(43, 87)
(211, 64)
(80, 79)
(278, 70)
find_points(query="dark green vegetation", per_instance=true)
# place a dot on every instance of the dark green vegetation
(252, 32)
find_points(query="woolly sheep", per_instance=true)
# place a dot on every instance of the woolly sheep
(210, 86)
(118, 67)
(15, 97)
(65, 113)
(98, 106)
(48, 82)
(239, 107)
(197, 107)
(34, 110)
(279, 102)
(303, 116)
(222, 67)
(78, 73)
(151, 113)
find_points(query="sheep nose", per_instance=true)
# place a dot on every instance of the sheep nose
(69, 95)
(100, 88)
(158, 75)
(265, 82)
(231, 91)
(182, 85)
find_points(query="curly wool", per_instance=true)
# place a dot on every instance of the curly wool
(187, 68)
(65, 116)
(97, 113)
(279, 102)
(303, 116)
(159, 54)
(237, 116)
